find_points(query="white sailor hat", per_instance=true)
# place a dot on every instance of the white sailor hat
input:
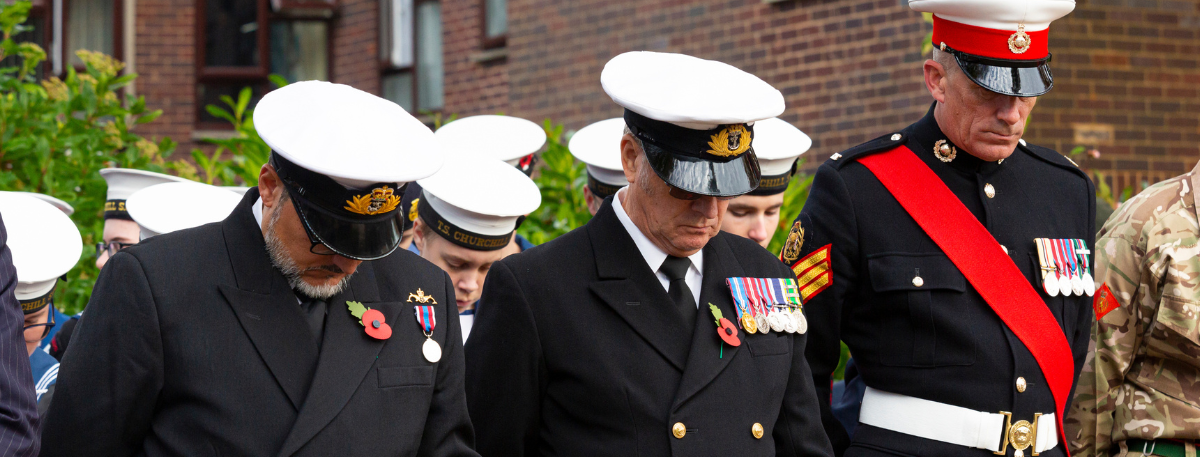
(123, 182)
(477, 204)
(45, 245)
(345, 156)
(165, 208)
(65, 207)
(778, 145)
(513, 140)
(599, 147)
(1000, 44)
(694, 117)
(240, 190)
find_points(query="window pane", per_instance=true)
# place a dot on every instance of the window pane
(231, 33)
(300, 50)
(399, 89)
(429, 56)
(396, 37)
(90, 27)
(36, 34)
(497, 17)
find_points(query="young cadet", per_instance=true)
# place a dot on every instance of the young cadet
(522, 139)
(755, 215)
(170, 207)
(598, 146)
(617, 338)
(52, 315)
(291, 328)
(466, 216)
(951, 257)
(120, 231)
(45, 245)
(1136, 395)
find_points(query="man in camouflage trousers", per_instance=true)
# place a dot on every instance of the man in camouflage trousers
(1139, 391)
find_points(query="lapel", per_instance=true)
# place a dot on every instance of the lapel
(628, 286)
(265, 305)
(709, 355)
(347, 355)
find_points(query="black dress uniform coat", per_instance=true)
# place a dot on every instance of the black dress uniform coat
(939, 341)
(194, 345)
(579, 351)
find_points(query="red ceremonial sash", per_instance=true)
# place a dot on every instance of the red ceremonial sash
(983, 262)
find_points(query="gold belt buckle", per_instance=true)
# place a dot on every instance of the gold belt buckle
(1020, 435)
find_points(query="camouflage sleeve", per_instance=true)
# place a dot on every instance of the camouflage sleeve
(1122, 281)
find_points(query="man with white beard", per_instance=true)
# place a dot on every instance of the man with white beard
(289, 328)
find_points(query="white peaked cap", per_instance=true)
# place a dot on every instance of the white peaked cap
(481, 195)
(65, 207)
(505, 138)
(778, 144)
(1035, 15)
(165, 208)
(353, 137)
(123, 182)
(45, 243)
(599, 146)
(688, 91)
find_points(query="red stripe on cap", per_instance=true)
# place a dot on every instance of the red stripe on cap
(985, 42)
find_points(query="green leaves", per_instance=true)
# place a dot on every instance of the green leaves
(716, 313)
(357, 309)
(561, 180)
(240, 157)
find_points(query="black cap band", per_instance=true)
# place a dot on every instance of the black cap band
(34, 305)
(458, 235)
(115, 209)
(599, 189)
(775, 184)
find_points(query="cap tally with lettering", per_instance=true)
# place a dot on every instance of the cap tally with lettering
(778, 147)
(123, 182)
(477, 204)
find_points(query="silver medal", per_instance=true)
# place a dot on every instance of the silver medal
(432, 351)
(1050, 284)
(776, 321)
(801, 321)
(1089, 284)
(789, 322)
(1064, 284)
(764, 327)
(1077, 285)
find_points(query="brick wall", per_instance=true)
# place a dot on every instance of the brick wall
(849, 69)
(472, 87)
(1130, 65)
(355, 49)
(165, 48)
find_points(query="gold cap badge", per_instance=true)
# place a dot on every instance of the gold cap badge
(731, 141)
(1019, 41)
(380, 200)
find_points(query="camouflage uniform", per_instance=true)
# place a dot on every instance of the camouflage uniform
(1141, 379)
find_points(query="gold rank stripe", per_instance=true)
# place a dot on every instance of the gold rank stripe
(813, 272)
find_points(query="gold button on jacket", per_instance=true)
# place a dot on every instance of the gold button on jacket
(757, 430)
(679, 430)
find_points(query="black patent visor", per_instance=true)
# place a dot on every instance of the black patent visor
(354, 240)
(716, 179)
(1017, 78)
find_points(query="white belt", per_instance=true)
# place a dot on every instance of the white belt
(956, 425)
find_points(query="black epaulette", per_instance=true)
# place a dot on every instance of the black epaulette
(1052, 157)
(882, 144)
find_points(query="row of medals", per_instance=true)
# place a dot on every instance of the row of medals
(1062, 279)
(777, 318)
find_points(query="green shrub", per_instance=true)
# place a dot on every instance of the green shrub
(561, 179)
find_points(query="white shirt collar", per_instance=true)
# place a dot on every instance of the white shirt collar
(651, 252)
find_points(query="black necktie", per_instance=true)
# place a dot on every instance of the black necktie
(314, 312)
(676, 269)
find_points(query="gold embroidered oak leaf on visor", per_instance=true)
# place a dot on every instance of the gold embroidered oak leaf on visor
(731, 141)
(380, 200)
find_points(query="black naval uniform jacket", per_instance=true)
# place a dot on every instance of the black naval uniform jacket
(939, 341)
(193, 344)
(579, 351)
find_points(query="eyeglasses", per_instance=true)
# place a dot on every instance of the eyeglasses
(317, 246)
(49, 324)
(111, 247)
(685, 195)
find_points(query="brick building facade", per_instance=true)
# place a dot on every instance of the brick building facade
(1126, 70)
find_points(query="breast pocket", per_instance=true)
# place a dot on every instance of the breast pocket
(931, 292)
(405, 376)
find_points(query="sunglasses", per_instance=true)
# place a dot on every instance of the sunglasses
(685, 195)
